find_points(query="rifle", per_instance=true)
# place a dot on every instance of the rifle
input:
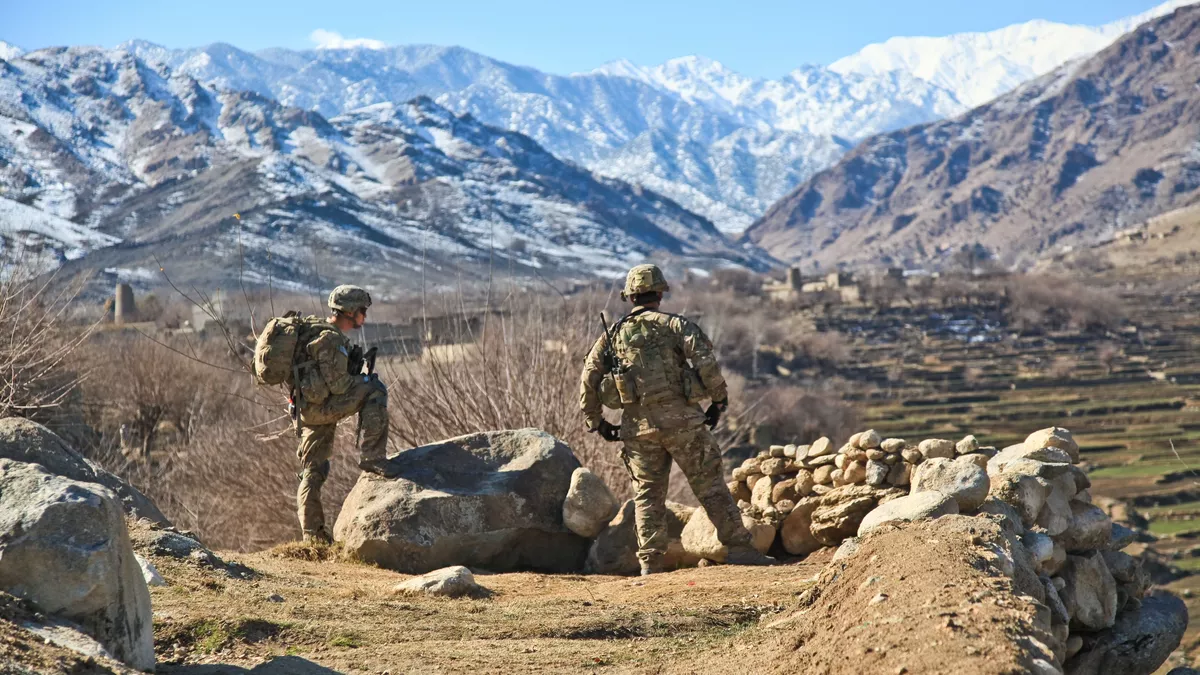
(357, 359)
(608, 358)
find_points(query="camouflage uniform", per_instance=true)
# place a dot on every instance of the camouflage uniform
(328, 395)
(665, 422)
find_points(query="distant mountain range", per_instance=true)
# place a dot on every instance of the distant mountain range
(328, 149)
(399, 192)
(1064, 161)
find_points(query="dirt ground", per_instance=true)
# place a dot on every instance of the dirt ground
(344, 617)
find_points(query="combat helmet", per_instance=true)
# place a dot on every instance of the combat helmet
(644, 279)
(349, 299)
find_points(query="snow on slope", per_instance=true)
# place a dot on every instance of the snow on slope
(978, 67)
(9, 51)
(35, 233)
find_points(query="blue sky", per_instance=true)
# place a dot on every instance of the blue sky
(763, 38)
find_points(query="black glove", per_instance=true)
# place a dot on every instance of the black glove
(713, 414)
(354, 360)
(608, 431)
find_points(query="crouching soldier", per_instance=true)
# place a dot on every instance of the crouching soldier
(331, 388)
(661, 366)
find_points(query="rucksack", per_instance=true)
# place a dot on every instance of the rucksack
(279, 345)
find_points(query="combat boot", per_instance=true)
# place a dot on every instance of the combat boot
(747, 555)
(652, 565)
(319, 538)
(379, 467)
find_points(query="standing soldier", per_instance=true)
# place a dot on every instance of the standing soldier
(332, 387)
(657, 369)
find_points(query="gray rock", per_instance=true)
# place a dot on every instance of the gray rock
(24, 441)
(1056, 514)
(1004, 514)
(936, 447)
(900, 474)
(842, 510)
(823, 475)
(1041, 548)
(614, 550)
(65, 549)
(150, 572)
(1139, 642)
(1090, 594)
(760, 496)
(916, 506)
(492, 500)
(965, 481)
(912, 455)
(1017, 452)
(847, 549)
(893, 445)
(451, 582)
(589, 504)
(1090, 529)
(699, 537)
(1058, 610)
(1024, 493)
(877, 472)
(774, 466)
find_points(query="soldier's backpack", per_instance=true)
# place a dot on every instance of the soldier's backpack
(277, 351)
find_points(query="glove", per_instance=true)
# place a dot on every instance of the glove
(608, 431)
(713, 414)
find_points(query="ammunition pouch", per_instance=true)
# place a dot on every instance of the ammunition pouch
(609, 396)
(626, 386)
(693, 388)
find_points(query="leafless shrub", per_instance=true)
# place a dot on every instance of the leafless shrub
(1038, 303)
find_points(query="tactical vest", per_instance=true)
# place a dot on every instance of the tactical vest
(652, 370)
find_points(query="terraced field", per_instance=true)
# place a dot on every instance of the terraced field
(1131, 397)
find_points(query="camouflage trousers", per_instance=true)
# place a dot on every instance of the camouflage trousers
(318, 427)
(648, 458)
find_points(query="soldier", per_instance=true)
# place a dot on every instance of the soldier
(661, 366)
(332, 388)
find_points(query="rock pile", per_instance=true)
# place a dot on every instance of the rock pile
(816, 496)
(1064, 551)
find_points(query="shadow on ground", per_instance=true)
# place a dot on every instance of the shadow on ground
(284, 665)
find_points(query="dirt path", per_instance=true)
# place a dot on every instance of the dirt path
(345, 618)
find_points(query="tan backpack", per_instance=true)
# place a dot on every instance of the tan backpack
(280, 345)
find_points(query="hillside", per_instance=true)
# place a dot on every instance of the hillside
(1065, 160)
(161, 162)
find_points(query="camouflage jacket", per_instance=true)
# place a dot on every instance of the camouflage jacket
(656, 350)
(328, 371)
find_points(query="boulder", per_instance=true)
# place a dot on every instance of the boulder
(739, 491)
(968, 445)
(450, 582)
(912, 507)
(963, 480)
(893, 445)
(796, 534)
(869, 440)
(699, 537)
(65, 549)
(492, 500)
(820, 447)
(1016, 452)
(1053, 437)
(1139, 643)
(1089, 529)
(899, 474)
(589, 504)
(760, 496)
(1024, 493)
(614, 551)
(1090, 593)
(877, 472)
(24, 441)
(936, 447)
(774, 466)
(1002, 513)
(842, 510)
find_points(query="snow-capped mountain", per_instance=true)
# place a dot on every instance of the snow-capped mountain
(1061, 163)
(734, 128)
(977, 67)
(123, 149)
(9, 52)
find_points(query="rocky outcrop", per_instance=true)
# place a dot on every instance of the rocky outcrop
(64, 548)
(22, 440)
(491, 500)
